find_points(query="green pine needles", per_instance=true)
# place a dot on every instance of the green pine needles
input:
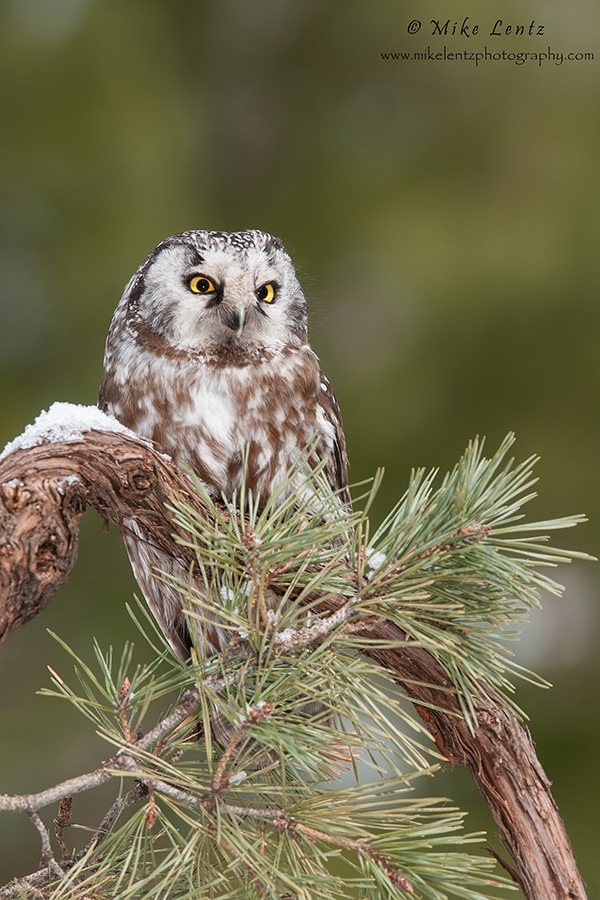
(308, 791)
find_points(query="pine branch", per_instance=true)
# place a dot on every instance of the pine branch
(422, 598)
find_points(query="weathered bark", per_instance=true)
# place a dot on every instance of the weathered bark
(501, 756)
(45, 490)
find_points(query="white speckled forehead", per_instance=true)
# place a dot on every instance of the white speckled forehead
(238, 241)
(252, 239)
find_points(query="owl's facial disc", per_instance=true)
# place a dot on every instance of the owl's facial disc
(206, 291)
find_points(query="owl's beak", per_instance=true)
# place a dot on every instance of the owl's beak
(241, 319)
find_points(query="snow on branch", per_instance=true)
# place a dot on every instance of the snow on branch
(65, 422)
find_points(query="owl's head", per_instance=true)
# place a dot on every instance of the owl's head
(218, 292)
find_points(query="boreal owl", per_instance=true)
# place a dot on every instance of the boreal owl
(207, 355)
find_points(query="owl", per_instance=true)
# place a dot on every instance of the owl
(208, 356)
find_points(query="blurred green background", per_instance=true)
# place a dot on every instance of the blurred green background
(443, 218)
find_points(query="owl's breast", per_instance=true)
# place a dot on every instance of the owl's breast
(204, 415)
(268, 410)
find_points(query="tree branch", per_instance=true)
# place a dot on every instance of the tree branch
(47, 854)
(31, 803)
(44, 491)
(501, 756)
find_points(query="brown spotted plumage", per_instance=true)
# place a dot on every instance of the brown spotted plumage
(207, 355)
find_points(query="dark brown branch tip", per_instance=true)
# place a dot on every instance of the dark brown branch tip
(476, 531)
(392, 871)
(250, 539)
(124, 693)
(261, 713)
(63, 816)
(151, 809)
(470, 534)
(286, 824)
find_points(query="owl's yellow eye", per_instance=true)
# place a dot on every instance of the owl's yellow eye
(266, 293)
(200, 284)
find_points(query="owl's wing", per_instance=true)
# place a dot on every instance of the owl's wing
(337, 465)
(158, 575)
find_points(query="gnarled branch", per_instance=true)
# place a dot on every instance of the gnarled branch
(44, 491)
